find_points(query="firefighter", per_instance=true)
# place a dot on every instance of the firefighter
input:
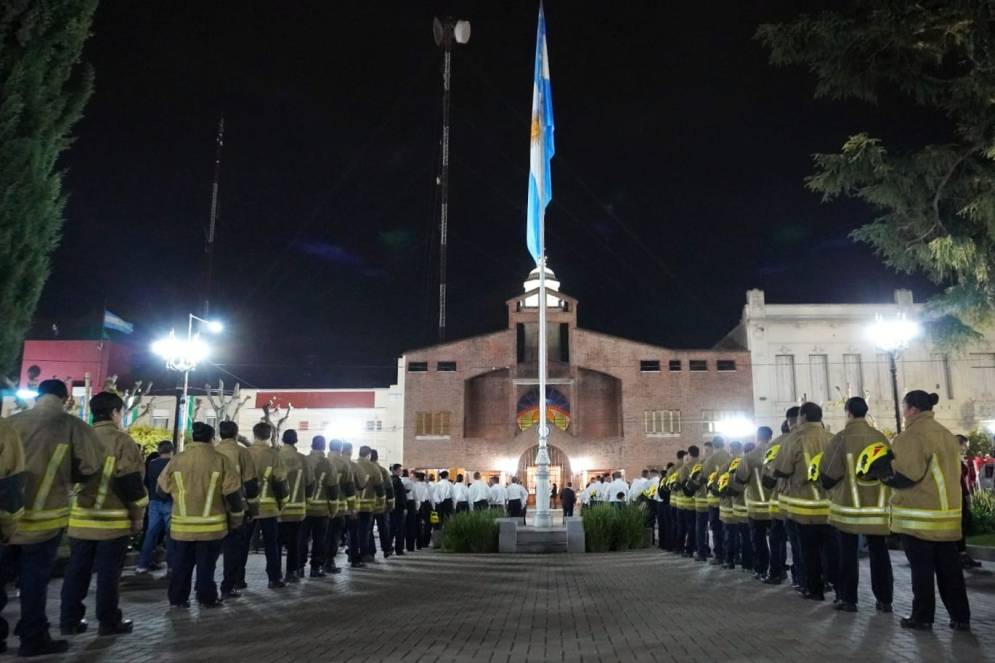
(718, 458)
(360, 477)
(236, 544)
(343, 506)
(662, 500)
(368, 498)
(923, 469)
(397, 528)
(807, 506)
(857, 508)
(108, 509)
(11, 504)
(207, 495)
(59, 451)
(677, 525)
(300, 481)
(721, 485)
(687, 479)
(321, 502)
(756, 499)
(384, 505)
(779, 525)
(272, 476)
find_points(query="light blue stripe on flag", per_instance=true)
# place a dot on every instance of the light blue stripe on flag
(542, 148)
(117, 323)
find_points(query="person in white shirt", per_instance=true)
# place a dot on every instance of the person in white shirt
(517, 499)
(639, 484)
(498, 494)
(460, 494)
(603, 493)
(479, 494)
(443, 497)
(617, 487)
(592, 493)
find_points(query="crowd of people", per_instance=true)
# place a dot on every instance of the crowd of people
(737, 507)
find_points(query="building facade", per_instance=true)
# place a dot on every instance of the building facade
(824, 353)
(613, 404)
(371, 417)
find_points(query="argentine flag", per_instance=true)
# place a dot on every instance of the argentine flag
(117, 323)
(542, 150)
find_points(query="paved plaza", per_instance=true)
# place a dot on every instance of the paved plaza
(433, 606)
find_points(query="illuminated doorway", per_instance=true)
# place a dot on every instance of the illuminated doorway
(559, 468)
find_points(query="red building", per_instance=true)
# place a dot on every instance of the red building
(613, 403)
(71, 361)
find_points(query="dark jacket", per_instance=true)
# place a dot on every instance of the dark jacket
(155, 468)
(568, 496)
(400, 498)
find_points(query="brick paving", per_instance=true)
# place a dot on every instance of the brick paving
(432, 606)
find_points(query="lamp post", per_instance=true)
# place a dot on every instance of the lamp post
(893, 336)
(183, 355)
(446, 32)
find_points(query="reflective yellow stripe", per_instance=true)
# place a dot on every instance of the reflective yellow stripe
(263, 493)
(856, 511)
(851, 470)
(197, 529)
(948, 526)
(111, 524)
(760, 484)
(941, 484)
(41, 521)
(317, 489)
(860, 520)
(211, 487)
(297, 485)
(46, 483)
(926, 514)
(110, 513)
(181, 498)
(805, 507)
(142, 502)
(216, 518)
(105, 480)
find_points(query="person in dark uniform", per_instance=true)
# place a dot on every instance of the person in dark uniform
(568, 498)
(397, 514)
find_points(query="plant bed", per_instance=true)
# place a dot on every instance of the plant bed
(610, 528)
(472, 532)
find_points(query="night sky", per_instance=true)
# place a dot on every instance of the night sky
(677, 182)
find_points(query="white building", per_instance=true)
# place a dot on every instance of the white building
(823, 353)
(374, 417)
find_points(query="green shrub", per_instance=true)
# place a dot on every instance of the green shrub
(608, 527)
(983, 512)
(980, 443)
(472, 531)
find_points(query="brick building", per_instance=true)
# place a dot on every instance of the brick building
(613, 403)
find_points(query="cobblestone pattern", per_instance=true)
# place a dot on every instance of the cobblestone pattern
(432, 606)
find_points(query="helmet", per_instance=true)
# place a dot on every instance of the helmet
(735, 463)
(712, 477)
(771, 454)
(696, 471)
(868, 457)
(813, 468)
(724, 482)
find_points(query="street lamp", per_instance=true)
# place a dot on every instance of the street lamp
(183, 355)
(737, 428)
(893, 336)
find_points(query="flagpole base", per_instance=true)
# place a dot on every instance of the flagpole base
(543, 516)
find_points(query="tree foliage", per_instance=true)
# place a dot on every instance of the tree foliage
(43, 89)
(934, 203)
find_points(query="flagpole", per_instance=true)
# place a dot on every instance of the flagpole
(543, 518)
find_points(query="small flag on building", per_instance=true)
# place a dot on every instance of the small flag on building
(117, 323)
(542, 149)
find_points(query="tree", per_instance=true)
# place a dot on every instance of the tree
(935, 203)
(225, 407)
(43, 90)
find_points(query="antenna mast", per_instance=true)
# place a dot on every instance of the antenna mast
(209, 236)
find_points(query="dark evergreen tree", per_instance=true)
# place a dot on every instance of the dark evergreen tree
(935, 203)
(43, 89)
